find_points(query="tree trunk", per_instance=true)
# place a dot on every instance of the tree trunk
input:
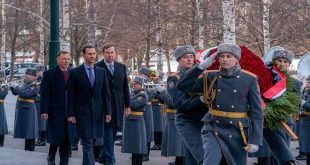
(201, 27)
(266, 31)
(91, 19)
(65, 30)
(148, 37)
(3, 32)
(229, 25)
(41, 34)
(158, 37)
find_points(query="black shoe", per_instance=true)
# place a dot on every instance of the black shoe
(301, 157)
(39, 143)
(64, 161)
(74, 148)
(146, 158)
(171, 163)
(50, 161)
(119, 143)
(156, 147)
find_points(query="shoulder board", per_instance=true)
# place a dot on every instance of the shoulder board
(209, 71)
(249, 73)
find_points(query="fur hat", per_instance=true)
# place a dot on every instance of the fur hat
(233, 49)
(139, 80)
(182, 50)
(145, 71)
(282, 54)
(31, 72)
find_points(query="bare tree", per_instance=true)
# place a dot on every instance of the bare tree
(3, 35)
(267, 4)
(201, 28)
(64, 36)
(229, 21)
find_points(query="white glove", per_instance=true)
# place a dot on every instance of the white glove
(207, 62)
(159, 89)
(303, 102)
(251, 148)
(13, 85)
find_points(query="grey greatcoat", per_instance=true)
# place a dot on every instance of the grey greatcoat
(41, 122)
(148, 117)
(3, 122)
(221, 136)
(172, 144)
(305, 123)
(134, 133)
(157, 115)
(26, 122)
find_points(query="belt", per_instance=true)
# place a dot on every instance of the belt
(149, 103)
(171, 110)
(228, 114)
(136, 113)
(305, 113)
(154, 99)
(25, 100)
(1, 101)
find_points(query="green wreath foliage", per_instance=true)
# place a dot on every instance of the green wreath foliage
(281, 108)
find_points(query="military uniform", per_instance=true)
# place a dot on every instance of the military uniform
(134, 133)
(305, 125)
(148, 116)
(190, 111)
(3, 122)
(221, 134)
(41, 122)
(26, 125)
(172, 144)
(158, 122)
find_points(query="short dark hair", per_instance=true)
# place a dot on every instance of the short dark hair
(88, 46)
(62, 52)
(109, 45)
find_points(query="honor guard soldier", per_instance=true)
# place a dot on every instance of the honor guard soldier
(172, 144)
(134, 132)
(157, 115)
(3, 122)
(26, 122)
(229, 92)
(148, 114)
(305, 121)
(41, 141)
(277, 139)
(190, 109)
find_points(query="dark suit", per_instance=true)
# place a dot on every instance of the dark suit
(88, 105)
(53, 102)
(120, 99)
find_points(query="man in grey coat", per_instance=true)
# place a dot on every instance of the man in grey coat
(230, 91)
(26, 125)
(3, 122)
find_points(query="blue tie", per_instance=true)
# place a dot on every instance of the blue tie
(91, 77)
(111, 69)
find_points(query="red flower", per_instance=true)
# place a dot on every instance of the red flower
(250, 62)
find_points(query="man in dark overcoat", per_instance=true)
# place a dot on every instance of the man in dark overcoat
(89, 103)
(120, 100)
(53, 108)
